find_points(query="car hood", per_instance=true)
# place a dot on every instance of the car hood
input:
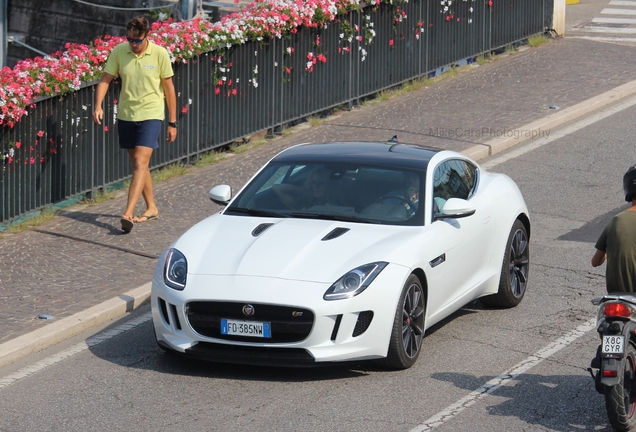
(298, 249)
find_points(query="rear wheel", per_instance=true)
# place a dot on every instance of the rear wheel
(620, 400)
(514, 270)
(408, 327)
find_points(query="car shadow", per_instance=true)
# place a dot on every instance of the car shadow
(137, 348)
(545, 401)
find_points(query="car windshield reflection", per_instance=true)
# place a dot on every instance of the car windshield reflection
(351, 193)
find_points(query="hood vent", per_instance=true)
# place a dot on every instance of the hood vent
(337, 232)
(261, 228)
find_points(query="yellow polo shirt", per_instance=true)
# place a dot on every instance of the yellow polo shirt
(141, 96)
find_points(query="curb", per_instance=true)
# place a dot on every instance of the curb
(73, 325)
(537, 128)
(119, 306)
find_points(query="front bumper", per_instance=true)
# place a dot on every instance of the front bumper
(343, 330)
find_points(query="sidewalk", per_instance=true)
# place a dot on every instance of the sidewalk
(81, 259)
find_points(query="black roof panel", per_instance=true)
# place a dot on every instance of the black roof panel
(374, 153)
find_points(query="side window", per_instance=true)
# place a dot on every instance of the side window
(453, 178)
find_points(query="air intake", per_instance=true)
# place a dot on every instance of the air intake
(261, 228)
(337, 232)
(363, 323)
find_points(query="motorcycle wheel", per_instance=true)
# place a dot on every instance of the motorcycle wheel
(620, 400)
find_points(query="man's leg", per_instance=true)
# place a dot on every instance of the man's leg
(141, 182)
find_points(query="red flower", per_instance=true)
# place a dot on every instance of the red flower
(42, 160)
(31, 148)
(234, 92)
(10, 159)
(220, 82)
(288, 70)
(114, 101)
(229, 82)
(217, 90)
(391, 42)
(18, 144)
(105, 128)
(184, 109)
(32, 160)
(40, 134)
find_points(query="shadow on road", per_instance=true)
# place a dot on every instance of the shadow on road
(550, 402)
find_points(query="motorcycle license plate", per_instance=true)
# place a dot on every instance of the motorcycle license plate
(613, 344)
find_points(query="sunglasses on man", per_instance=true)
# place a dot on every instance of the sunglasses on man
(135, 41)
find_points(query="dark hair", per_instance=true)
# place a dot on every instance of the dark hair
(139, 25)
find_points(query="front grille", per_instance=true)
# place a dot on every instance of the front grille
(251, 355)
(288, 324)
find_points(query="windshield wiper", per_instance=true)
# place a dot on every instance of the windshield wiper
(254, 212)
(333, 217)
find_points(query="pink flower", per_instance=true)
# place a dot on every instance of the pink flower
(184, 110)
(32, 160)
(391, 42)
(217, 90)
(234, 92)
(40, 134)
(18, 144)
(10, 159)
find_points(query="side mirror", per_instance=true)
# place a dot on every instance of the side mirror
(455, 208)
(221, 194)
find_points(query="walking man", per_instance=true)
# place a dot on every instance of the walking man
(146, 79)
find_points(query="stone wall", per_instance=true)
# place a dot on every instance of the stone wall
(48, 25)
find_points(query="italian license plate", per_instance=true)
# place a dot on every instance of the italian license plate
(613, 344)
(246, 328)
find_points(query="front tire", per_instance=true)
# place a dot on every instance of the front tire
(620, 400)
(514, 270)
(408, 327)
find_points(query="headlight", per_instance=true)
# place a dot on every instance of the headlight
(354, 282)
(175, 270)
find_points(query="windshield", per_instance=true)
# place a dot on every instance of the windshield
(353, 193)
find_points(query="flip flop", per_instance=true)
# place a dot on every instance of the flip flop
(146, 218)
(126, 225)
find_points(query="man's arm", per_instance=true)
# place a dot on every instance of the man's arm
(171, 101)
(100, 94)
(598, 258)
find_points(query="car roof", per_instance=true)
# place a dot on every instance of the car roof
(373, 153)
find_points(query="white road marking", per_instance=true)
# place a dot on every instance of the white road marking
(604, 39)
(613, 30)
(610, 11)
(555, 135)
(622, 3)
(614, 20)
(75, 349)
(452, 410)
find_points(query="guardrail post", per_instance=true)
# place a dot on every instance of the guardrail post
(558, 20)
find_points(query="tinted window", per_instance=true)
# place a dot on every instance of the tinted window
(347, 192)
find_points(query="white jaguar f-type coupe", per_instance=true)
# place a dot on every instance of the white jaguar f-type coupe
(342, 252)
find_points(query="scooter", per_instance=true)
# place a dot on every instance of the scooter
(614, 367)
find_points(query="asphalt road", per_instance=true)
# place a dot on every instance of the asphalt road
(572, 184)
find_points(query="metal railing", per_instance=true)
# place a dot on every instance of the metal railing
(63, 154)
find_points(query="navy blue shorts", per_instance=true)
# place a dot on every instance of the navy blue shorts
(143, 133)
